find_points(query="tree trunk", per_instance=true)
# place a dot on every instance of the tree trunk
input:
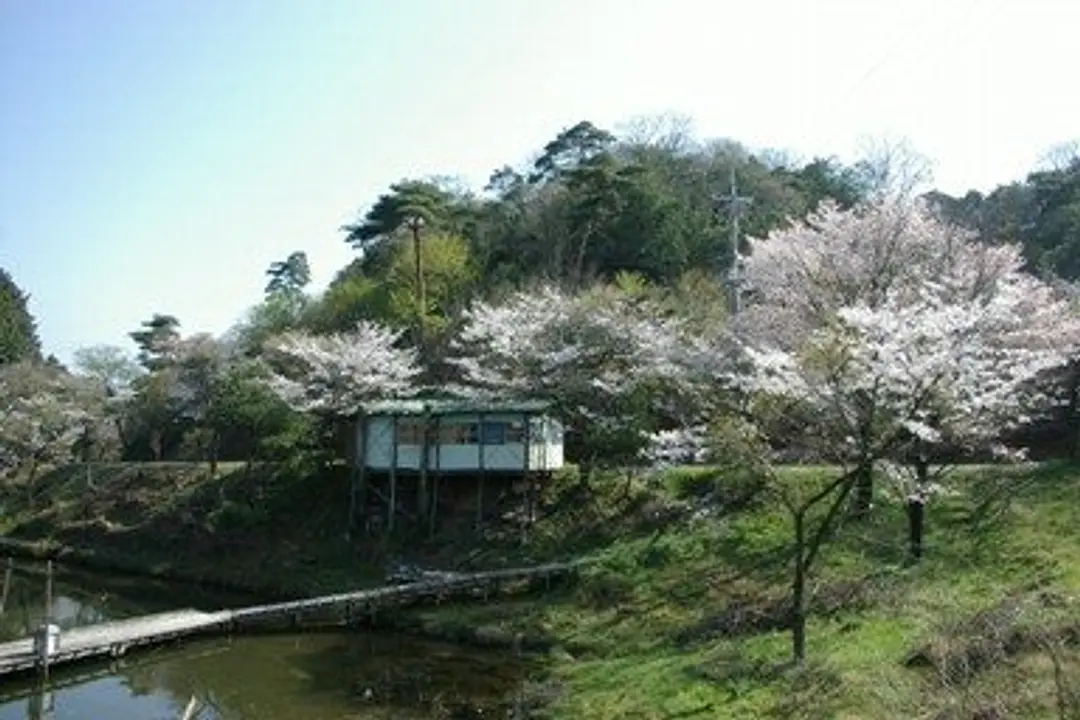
(122, 437)
(422, 479)
(30, 480)
(213, 452)
(798, 593)
(863, 499)
(916, 505)
(915, 509)
(579, 265)
(421, 290)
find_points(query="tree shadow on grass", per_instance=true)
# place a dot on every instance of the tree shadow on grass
(806, 692)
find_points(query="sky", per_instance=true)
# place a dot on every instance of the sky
(158, 156)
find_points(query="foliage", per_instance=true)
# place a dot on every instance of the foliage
(278, 313)
(448, 278)
(424, 199)
(290, 276)
(247, 417)
(1042, 214)
(18, 330)
(155, 339)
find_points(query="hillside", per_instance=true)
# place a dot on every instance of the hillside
(683, 613)
(276, 529)
(689, 622)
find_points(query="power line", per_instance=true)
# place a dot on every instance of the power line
(961, 21)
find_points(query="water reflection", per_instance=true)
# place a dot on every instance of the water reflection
(273, 677)
(282, 677)
(81, 598)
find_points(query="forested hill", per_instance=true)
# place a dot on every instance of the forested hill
(648, 207)
(593, 205)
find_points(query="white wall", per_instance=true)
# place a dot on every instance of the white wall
(545, 449)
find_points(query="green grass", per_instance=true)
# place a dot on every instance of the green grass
(654, 629)
(676, 616)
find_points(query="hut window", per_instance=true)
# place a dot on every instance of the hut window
(515, 432)
(494, 433)
(410, 432)
(453, 434)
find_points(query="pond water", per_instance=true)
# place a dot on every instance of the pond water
(358, 675)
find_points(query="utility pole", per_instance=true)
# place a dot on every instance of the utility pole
(735, 206)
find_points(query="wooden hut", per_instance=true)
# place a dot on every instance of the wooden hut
(425, 441)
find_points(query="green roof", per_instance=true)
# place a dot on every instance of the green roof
(452, 406)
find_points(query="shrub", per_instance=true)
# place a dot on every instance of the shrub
(728, 488)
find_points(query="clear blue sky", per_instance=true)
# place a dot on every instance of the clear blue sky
(157, 155)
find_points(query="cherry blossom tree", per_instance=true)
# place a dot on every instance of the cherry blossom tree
(114, 372)
(337, 374)
(200, 365)
(607, 361)
(45, 415)
(925, 338)
(883, 263)
(896, 333)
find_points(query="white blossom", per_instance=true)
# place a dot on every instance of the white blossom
(43, 414)
(887, 321)
(902, 484)
(609, 362)
(799, 276)
(677, 447)
(199, 362)
(536, 343)
(339, 373)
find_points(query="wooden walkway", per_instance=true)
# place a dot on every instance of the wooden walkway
(113, 639)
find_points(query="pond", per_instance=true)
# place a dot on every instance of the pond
(358, 675)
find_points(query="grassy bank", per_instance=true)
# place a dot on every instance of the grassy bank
(683, 612)
(689, 622)
(277, 530)
(271, 530)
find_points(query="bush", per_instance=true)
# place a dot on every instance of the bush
(605, 589)
(232, 515)
(730, 489)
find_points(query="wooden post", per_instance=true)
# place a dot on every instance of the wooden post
(437, 478)
(48, 618)
(363, 499)
(421, 485)
(392, 511)
(356, 475)
(483, 471)
(48, 590)
(7, 583)
(527, 451)
(191, 709)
